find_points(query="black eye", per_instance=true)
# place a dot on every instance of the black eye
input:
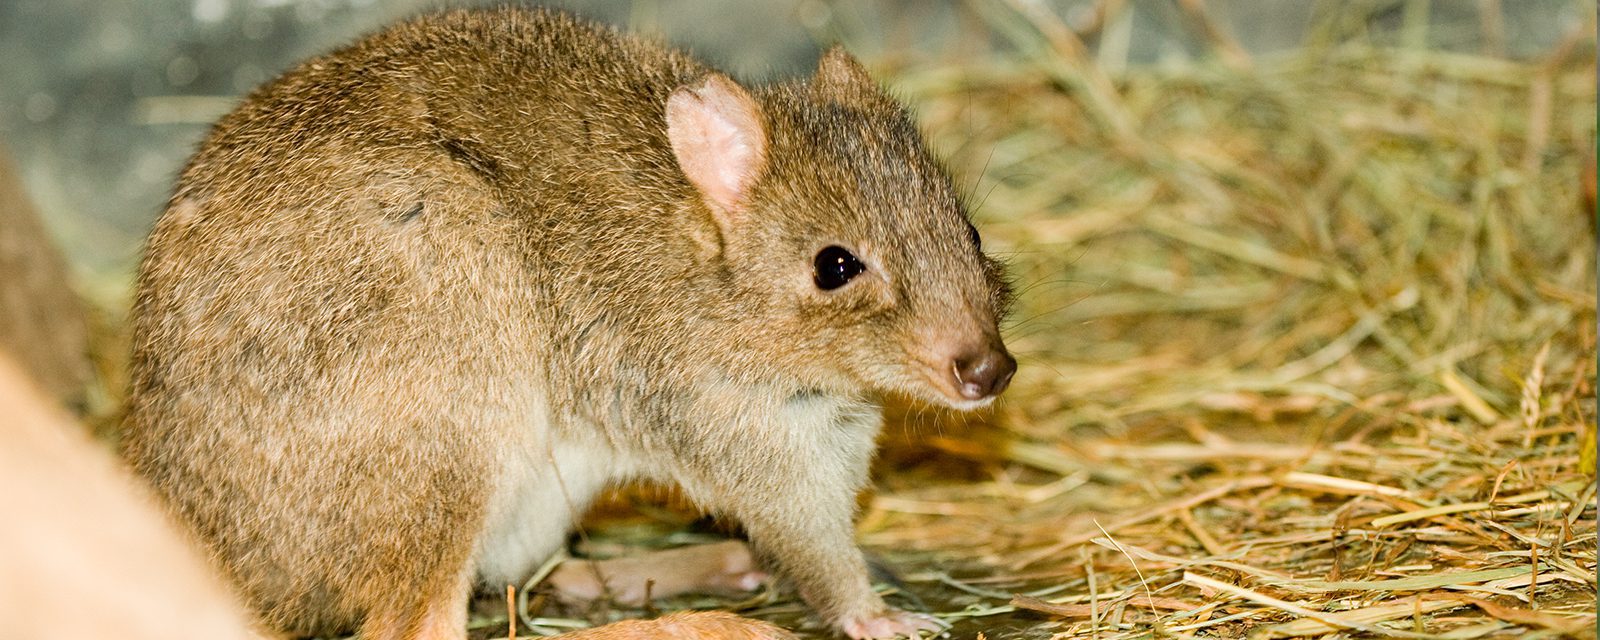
(836, 266)
(972, 234)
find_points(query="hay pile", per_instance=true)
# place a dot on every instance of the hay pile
(1308, 347)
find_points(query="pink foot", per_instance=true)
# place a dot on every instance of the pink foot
(893, 623)
(719, 567)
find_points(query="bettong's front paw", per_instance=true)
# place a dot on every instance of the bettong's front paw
(891, 623)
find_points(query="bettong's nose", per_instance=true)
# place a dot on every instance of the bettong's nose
(983, 372)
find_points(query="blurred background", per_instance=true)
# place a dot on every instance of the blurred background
(101, 101)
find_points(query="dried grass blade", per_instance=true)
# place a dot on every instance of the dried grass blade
(1335, 484)
(1423, 514)
(1368, 615)
(1083, 610)
(1473, 403)
(1358, 620)
(1237, 249)
(1416, 583)
(1067, 542)
(1531, 618)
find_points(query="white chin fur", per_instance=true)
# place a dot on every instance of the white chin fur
(968, 405)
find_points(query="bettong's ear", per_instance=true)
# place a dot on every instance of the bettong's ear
(841, 77)
(837, 67)
(718, 137)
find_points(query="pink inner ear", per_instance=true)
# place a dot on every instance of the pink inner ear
(715, 131)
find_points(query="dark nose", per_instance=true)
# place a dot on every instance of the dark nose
(983, 374)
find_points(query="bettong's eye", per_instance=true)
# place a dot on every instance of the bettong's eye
(972, 234)
(835, 266)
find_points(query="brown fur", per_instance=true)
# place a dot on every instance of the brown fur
(456, 268)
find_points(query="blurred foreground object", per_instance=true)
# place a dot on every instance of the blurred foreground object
(42, 324)
(84, 552)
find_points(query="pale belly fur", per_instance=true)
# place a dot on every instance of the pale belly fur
(544, 487)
